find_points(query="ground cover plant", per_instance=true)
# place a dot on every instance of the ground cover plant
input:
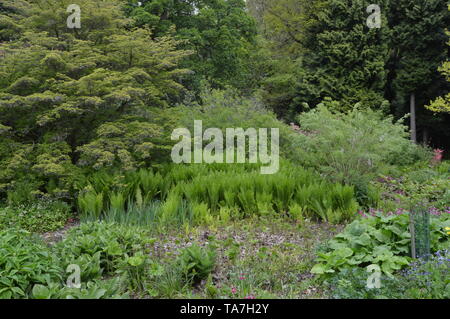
(378, 239)
(38, 217)
(423, 279)
(94, 205)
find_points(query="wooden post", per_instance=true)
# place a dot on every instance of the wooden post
(413, 233)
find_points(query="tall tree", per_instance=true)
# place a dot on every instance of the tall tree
(418, 47)
(9, 29)
(220, 32)
(88, 96)
(442, 104)
(336, 54)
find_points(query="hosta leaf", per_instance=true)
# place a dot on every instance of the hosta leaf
(40, 292)
(344, 252)
(319, 269)
(136, 261)
(363, 240)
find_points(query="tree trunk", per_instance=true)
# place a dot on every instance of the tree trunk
(425, 136)
(413, 118)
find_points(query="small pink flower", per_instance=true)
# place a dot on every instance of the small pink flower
(250, 297)
(233, 290)
(438, 154)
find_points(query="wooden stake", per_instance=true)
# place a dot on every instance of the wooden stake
(413, 234)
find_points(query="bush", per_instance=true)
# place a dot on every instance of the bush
(419, 183)
(38, 217)
(352, 147)
(227, 109)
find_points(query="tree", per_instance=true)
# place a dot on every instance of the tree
(442, 104)
(418, 48)
(91, 97)
(336, 54)
(9, 29)
(220, 32)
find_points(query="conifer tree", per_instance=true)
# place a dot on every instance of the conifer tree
(442, 104)
(338, 55)
(418, 46)
(91, 96)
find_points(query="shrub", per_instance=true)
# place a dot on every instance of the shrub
(226, 109)
(351, 147)
(418, 183)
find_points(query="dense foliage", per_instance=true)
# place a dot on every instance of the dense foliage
(88, 98)
(201, 194)
(36, 217)
(31, 269)
(220, 32)
(324, 49)
(24, 263)
(442, 104)
(421, 280)
(351, 147)
(382, 240)
(88, 186)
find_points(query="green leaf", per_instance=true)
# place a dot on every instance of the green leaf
(343, 252)
(114, 249)
(136, 261)
(363, 240)
(40, 292)
(318, 269)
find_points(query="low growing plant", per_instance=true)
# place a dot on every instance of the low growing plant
(37, 217)
(197, 262)
(421, 279)
(24, 263)
(108, 243)
(383, 240)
